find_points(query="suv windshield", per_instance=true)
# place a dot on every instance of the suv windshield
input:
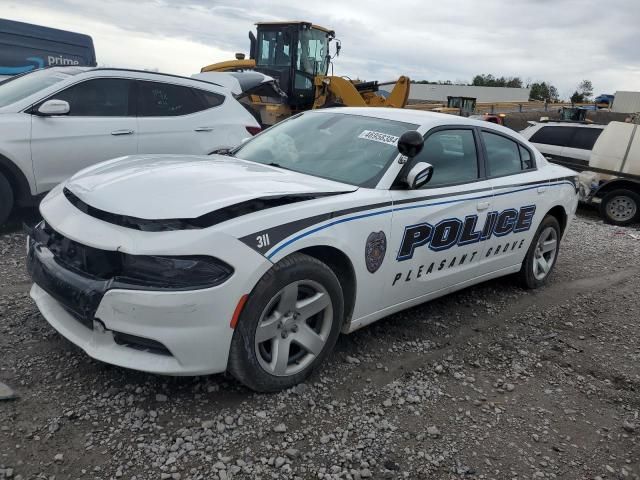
(351, 149)
(17, 88)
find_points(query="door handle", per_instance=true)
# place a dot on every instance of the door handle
(483, 205)
(542, 189)
(203, 129)
(122, 132)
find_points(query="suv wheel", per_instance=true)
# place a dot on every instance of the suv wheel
(620, 207)
(288, 326)
(6, 199)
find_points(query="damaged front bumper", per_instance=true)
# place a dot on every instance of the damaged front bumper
(165, 332)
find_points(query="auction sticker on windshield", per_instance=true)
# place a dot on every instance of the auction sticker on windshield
(379, 137)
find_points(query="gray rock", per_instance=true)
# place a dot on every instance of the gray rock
(280, 428)
(629, 426)
(292, 453)
(433, 431)
(366, 473)
(6, 392)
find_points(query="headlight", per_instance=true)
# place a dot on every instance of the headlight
(186, 272)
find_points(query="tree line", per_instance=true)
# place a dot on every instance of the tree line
(540, 90)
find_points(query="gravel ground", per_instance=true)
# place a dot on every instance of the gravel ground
(490, 382)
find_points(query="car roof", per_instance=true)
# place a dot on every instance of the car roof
(74, 70)
(569, 124)
(418, 117)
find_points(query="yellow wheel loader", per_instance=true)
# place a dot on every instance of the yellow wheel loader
(296, 55)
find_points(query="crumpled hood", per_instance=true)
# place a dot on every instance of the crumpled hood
(171, 186)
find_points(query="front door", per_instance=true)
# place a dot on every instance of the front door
(99, 126)
(438, 231)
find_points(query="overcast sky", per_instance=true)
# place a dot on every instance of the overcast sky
(561, 41)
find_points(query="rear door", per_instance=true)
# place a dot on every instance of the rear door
(437, 231)
(521, 198)
(100, 125)
(181, 119)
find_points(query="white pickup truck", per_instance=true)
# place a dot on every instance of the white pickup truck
(611, 176)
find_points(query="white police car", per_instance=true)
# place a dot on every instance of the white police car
(256, 261)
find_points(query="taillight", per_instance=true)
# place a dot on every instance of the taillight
(254, 130)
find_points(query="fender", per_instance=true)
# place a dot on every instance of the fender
(18, 180)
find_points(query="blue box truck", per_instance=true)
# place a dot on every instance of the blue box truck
(25, 47)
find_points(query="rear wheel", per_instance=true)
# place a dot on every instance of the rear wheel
(542, 254)
(620, 207)
(288, 326)
(6, 199)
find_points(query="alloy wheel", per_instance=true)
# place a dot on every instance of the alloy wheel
(294, 327)
(545, 253)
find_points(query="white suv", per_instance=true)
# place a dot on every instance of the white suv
(564, 141)
(56, 121)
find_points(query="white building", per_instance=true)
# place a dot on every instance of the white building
(439, 93)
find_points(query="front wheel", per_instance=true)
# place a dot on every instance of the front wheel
(288, 326)
(542, 254)
(620, 207)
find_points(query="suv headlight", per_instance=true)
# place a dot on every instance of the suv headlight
(179, 272)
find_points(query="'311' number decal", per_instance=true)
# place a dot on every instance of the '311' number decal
(263, 240)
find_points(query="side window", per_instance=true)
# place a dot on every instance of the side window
(156, 99)
(208, 99)
(504, 156)
(453, 156)
(102, 97)
(584, 138)
(558, 136)
(526, 158)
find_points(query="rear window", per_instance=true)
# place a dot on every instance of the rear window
(558, 136)
(208, 99)
(584, 138)
(156, 99)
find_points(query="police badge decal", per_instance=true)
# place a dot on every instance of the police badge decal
(375, 250)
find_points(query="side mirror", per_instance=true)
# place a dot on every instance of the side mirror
(419, 174)
(410, 143)
(54, 107)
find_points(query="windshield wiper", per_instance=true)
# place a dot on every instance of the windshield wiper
(273, 164)
(222, 151)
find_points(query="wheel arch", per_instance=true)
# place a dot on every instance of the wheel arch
(618, 184)
(17, 179)
(341, 264)
(560, 214)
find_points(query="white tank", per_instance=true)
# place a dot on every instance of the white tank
(617, 149)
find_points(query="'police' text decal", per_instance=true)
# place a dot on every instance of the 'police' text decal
(453, 231)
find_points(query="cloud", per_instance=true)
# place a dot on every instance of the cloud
(561, 41)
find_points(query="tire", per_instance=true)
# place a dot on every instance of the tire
(620, 207)
(533, 273)
(6, 199)
(269, 323)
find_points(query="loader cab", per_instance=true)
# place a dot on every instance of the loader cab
(294, 53)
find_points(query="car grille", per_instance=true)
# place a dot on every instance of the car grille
(90, 261)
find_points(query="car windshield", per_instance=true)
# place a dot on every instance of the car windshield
(20, 87)
(346, 148)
